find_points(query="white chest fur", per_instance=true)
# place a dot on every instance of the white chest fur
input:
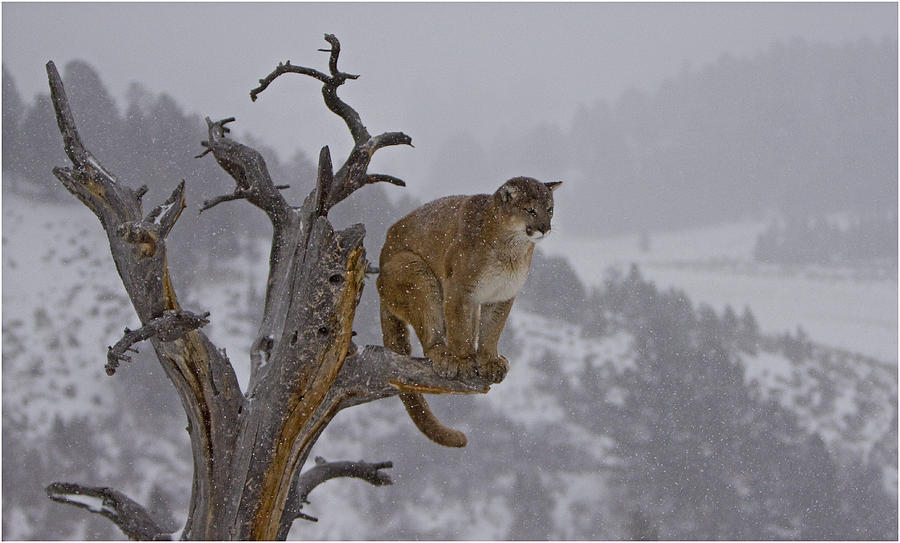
(498, 283)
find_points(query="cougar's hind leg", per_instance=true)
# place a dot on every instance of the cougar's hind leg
(394, 332)
(406, 296)
(412, 293)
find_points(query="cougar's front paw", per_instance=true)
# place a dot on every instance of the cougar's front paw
(493, 368)
(443, 361)
(468, 367)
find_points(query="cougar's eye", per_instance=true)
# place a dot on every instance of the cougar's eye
(531, 211)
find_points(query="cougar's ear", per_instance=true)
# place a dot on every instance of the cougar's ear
(553, 185)
(507, 192)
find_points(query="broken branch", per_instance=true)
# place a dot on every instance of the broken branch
(330, 83)
(75, 150)
(238, 194)
(248, 169)
(168, 212)
(173, 324)
(88, 180)
(156, 225)
(325, 471)
(324, 180)
(382, 178)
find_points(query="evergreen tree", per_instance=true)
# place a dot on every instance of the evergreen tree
(13, 111)
(41, 150)
(749, 335)
(96, 114)
(532, 506)
(553, 289)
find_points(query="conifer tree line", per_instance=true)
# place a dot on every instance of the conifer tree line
(151, 139)
(795, 129)
(154, 139)
(823, 240)
(799, 129)
(155, 122)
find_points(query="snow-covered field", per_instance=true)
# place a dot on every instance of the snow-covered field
(850, 309)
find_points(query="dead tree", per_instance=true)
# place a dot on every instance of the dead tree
(249, 446)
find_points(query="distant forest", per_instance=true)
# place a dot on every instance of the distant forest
(824, 241)
(153, 141)
(796, 130)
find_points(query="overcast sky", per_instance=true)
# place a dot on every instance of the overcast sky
(430, 70)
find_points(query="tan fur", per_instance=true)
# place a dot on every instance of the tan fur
(451, 269)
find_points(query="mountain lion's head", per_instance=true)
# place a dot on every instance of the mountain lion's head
(528, 205)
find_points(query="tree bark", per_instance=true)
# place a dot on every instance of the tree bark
(249, 446)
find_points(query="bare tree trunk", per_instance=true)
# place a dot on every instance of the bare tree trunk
(249, 446)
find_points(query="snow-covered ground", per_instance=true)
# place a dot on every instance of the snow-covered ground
(60, 294)
(841, 308)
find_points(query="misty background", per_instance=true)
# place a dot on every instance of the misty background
(706, 347)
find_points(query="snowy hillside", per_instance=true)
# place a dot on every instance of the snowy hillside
(844, 397)
(549, 452)
(63, 417)
(850, 308)
(62, 304)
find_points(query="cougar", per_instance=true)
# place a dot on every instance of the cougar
(451, 269)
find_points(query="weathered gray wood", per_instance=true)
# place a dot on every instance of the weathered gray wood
(203, 378)
(248, 447)
(170, 326)
(352, 175)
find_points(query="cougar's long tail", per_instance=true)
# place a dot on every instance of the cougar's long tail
(396, 338)
(425, 421)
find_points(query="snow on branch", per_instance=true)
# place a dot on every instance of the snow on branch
(131, 517)
(156, 225)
